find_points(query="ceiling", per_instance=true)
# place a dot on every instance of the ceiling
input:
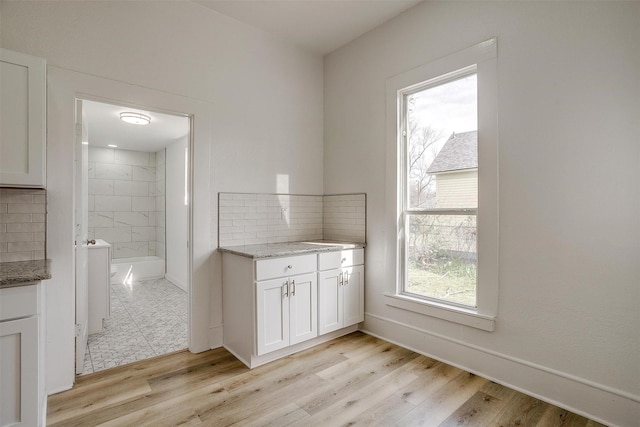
(105, 127)
(319, 26)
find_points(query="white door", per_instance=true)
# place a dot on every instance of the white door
(272, 308)
(81, 213)
(353, 293)
(303, 303)
(329, 301)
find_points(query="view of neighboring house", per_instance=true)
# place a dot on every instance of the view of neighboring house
(456, 171)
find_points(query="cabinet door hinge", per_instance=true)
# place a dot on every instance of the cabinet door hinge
(78, 330)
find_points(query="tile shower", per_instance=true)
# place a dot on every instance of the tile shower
(127, 209)
(127, 201)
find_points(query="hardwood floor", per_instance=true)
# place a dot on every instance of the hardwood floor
(355, 380)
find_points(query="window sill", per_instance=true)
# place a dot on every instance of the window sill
(459, 315)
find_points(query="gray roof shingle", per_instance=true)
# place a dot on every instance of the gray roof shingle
(458, 153)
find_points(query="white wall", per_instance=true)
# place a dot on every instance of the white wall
(266, 123)
(177, 214)
(569, 270)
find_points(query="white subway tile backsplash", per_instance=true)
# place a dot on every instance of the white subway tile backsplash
(14, 218)
(27, 227)
(25, 208)
(271, 218)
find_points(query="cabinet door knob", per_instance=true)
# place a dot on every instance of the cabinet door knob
(293, 288)
(346, 277)
(285, 289)
(341, 279)
(289, 267)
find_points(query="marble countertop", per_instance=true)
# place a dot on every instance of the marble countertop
(274, 250)
(21, 273)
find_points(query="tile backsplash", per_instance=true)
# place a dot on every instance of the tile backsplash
(250, 218)
(245, 219)
(344, 217)
(22, 224)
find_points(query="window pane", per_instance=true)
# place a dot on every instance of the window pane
(441, 257)
(442, 146)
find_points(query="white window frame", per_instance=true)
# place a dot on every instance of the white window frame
(483, 57)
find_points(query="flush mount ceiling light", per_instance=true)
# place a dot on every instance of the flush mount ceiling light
(135, 118)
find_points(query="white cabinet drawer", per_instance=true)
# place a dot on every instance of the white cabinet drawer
(288, 266)
(19, 301)
(339, 259)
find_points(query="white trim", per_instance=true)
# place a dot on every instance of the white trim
(64, 86)
(464, 316)
(601, 403)
(484, 57)
(176, 281)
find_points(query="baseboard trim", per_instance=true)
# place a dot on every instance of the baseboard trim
(601, 403)
(176, 282)
(215, 336)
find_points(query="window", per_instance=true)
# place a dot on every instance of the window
(445, 206)
(439, 179)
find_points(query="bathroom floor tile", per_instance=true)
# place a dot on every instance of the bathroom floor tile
(148, 318)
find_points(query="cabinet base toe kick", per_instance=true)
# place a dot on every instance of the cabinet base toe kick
(255, 361)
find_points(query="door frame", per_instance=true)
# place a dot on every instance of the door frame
(64, 86)
(80, 101)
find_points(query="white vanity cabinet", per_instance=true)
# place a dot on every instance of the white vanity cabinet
(340, 289)
(286, 312)
(21, 382)
(276, 301)
(22, 120)
(99, 264)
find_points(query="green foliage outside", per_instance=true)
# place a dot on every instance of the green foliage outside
(447, 278)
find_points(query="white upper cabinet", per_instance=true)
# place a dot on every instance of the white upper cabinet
(22, 120)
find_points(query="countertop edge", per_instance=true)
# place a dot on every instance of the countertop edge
(278, 250)
(24, 273)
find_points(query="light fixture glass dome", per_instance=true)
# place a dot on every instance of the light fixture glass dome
(135, 118)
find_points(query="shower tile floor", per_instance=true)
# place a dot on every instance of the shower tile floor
(148, 319)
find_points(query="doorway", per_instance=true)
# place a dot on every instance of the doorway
(137, 208)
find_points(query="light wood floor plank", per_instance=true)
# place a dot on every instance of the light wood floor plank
(355, 380)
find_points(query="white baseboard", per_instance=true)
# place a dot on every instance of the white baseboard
(215, 336)
(178, 283)
(595, 401)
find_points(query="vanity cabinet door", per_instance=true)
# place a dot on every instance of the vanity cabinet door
(18, 372)
(330, 301)
(303, 306)
(353, 295)
(272, 315)
(22, 120)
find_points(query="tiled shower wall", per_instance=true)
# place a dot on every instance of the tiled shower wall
(245, 219)
(126, 197)
(160, 202)
(22, 224)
